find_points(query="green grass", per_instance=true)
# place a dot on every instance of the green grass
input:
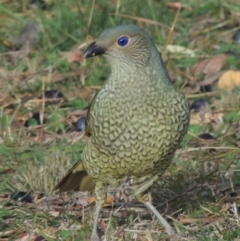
(199, 193)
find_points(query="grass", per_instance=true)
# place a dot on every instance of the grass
(199, 193)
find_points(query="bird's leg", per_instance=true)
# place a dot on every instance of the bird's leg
(141, 188)
(100, 195)
(142, 184)
(94, 235)
(168, 228)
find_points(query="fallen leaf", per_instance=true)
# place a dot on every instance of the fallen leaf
(108, 201)
(28, 35)
(229, 80)
(74, 55)
(102, 225)
(7, 43)
(209, 66)
(211, 78)
(180, 50)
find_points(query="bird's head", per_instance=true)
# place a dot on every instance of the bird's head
(123, 45)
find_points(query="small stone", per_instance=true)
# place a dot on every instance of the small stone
(22, 197)
(53, 94)
(198, 105)
(37, 3)
(236, 37)
(80, 125)
(56, 95)
(206, 136)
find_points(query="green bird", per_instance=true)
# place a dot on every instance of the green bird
(136, 121)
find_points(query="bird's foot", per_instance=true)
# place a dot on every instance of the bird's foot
(141, 185)
(176, 237)
(170, 231)
(94, 237)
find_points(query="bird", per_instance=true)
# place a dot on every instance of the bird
(135, 122)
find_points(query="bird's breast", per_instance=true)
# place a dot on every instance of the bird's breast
(134, 133)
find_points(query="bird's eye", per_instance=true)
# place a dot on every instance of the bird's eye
(123, 41)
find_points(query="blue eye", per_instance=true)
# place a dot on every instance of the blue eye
(123, 41)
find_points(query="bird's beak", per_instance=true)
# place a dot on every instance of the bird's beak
(93, 50)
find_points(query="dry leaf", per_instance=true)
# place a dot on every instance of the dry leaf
(28, 35)
(102, 225)
(180, 50)
(209, 66)
(229, 80)
(201, 118)
(108, 201)
(74, 55)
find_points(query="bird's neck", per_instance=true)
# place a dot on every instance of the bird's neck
(133, 75)
(159, 71)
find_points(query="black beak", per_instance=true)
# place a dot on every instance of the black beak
(93, 50)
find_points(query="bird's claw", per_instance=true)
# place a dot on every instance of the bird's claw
(94, 237)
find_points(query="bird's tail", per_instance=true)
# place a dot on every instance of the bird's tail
(76, 179)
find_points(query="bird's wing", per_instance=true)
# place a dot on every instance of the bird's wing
(76, 179)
